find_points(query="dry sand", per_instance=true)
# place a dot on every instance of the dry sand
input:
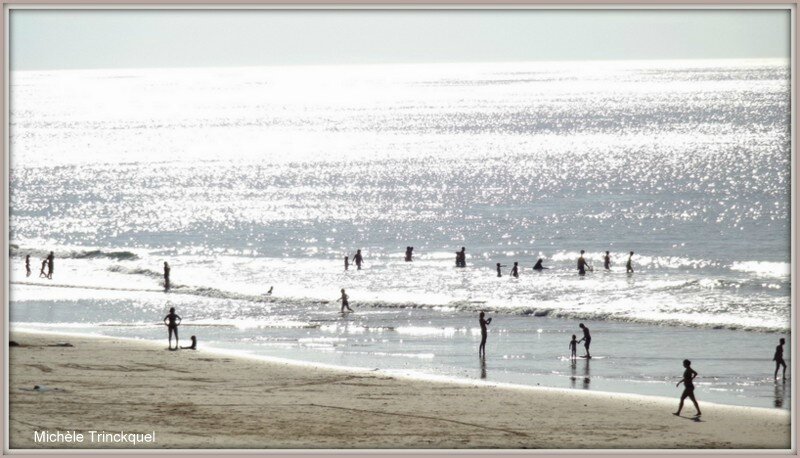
(198, 399)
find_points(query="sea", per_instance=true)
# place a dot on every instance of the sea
(250, 178)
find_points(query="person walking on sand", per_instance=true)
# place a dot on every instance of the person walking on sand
(629, 265)
(538, 266)
(688, 387)
(499, 272)
(582, 264)
(346, 263)
(358, 259)
(515, 270)
(778, 358)
(166, 276)
(345, 302)
(172, 320)
(483, 322)
(42, 271)
(607, 261)
(573, 347)
(28, 265)
(409, 253)
(586, 339)
(50, 265)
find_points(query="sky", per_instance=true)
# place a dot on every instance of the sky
(75, 39)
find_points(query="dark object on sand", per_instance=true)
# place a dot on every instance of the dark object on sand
(61, 344)
(11, 343)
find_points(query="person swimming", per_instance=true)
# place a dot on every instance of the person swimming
(483, 322)
(499, 272)
(607, 261)
(515, 270)
(345, 301)
(586, 339)
(358, 259)
(539, 265)
(193, 346)
(409, 253)
(778, 358)
(582, 264)
(688, 387)
(28, 265)
(166, 276)
(629, 265)
(172, 320)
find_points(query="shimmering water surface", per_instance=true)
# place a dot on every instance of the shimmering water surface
(255, 177)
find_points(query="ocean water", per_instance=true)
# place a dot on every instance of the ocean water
(247, 178)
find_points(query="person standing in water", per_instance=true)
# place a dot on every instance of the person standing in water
(688, 387)
(629, 265)
(582, 264)
(607, 261)
(27, 265)
(409, 253)
(50, 265)
(358, 259)
(515, 270)
(346, 262)
(269, 293)
(172, 320)
(499, 272)
(345, 302)
(778, 358)
(586, 339)
(573, 347)
(483, 322)
(166, 276)
(539, 265)
(461, 257)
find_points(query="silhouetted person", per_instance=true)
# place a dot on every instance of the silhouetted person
(582, 264)
(573, 347)
(409, 253)
(28, 265)
(50, 262)
(345, 302)
(358, 259)
(688, 387)
(586, 339)
(193, 346)
(539, 265)
(499, 272)
(515, 270)
(43, 270)
(346, 263)
(172, 320)
(778, 358)
(461, 257)
(166, 276)
(483, 323)
(629, 265)
(269, 293)
(607, 261)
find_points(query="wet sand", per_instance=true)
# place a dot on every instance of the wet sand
(199, 399)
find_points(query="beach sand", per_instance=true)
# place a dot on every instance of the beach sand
(199, 399)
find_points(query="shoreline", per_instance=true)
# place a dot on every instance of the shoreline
(320, 407)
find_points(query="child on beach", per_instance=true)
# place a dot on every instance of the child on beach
(499, 272)
(193, 346)
(28, 265)
(778, 358)
(688, 383)
(346, 262)
(345, 303)
(607, 261)
(483, 323)
(515, 270)
(172, 320)
(629, 265)
(573, 347)
(42, 272)
(358, 259)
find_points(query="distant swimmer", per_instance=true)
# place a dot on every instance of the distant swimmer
(50, 261)
(409, 253)
(358, 259)
(515, 270)
(172, 320)
(629, 265)
(346, 263)
(778, 358)
(43, 270)
(539, 265)
(483, 323)
(166, 276)
(28, 265)
(573, 347)
(586, 339)
(345, 302)
(269, 293)
(582, 265)
(499, 272)
(461, 257)
(193, 346)
(607, 261)
(688, 387)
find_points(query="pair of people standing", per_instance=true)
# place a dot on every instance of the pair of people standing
(357, 259)
(514, 270)
(47, 263)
